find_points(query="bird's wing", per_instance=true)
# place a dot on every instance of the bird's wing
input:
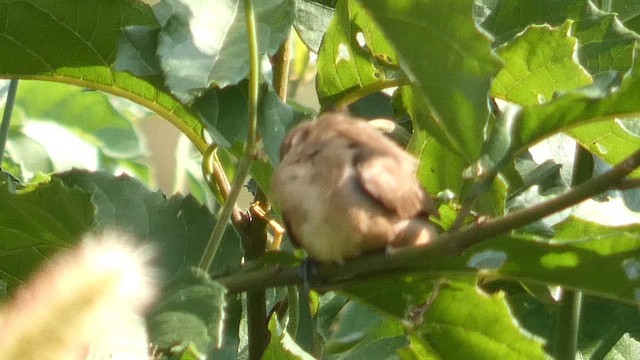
(390, 180)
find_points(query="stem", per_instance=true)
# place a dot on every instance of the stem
(416, 258)
(568, 325)
(357, 94)
(281, 70)
(6, 117)
(249, 151)
(211, 167)
(568, 321)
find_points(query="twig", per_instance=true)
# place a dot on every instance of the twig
(6, 117)
(250, 147)
(211, 167)
(281, 69)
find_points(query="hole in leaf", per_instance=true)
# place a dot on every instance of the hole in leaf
(487, 260)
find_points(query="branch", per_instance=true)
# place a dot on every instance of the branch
(449, 244)
(250, 148)
(211, 167)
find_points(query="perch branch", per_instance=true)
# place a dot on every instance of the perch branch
(450, 244)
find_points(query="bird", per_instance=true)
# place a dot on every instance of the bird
(344, 190)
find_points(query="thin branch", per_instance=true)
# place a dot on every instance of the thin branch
(357, 94)
(6, 117)
(629, 184)
(211, 167)
(568, 318)
(450, 244)
(250, 147)
(281, 69)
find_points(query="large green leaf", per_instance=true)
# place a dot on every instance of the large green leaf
(179, 226)
(611, 140)
(582, 106)
(604, 324)
(36, 222)
(628, 12)
(595, 258)
(311, 22)
(604, 44)
(353, 56)
(190, 311)
(539, 62)
(67, 42)
(465, 323)
(453, 68)
(281, 345)
(205, 42)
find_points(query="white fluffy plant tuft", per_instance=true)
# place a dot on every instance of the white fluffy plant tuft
(79, 301)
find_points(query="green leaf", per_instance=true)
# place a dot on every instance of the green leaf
(191, 310)
(67, 42)
(179, 226)
(354, 55)
(626, 349)
(396, 296)
(603, 324)
(89, 114)
(384, 348)
(311, 22)
(281, 345)
(628, 12)
(578, 107)
(453, 73)
(597, 259)
(36, 222)
(538, 62)
(611, 140)
(465, 323)
(604, 44)
(205, 42)
(137, 51)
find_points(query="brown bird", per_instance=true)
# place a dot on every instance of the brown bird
(344, 189)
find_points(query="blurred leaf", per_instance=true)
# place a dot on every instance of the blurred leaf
(191, 310)
(603, 323)
(462, 319)
(453, 73)
(89, 44)
(383, 349)
(311, 22)
(87, 113)
(179, 226)
(205, 42)
(275, 120)
(545, 175)
(354, 55)
(626, 349)
(36, 222)
(538, 62)
(628, 12)
(12, 168)
(395, 295)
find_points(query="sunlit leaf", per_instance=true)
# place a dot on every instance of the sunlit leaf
(452, 74)
(205, 42)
